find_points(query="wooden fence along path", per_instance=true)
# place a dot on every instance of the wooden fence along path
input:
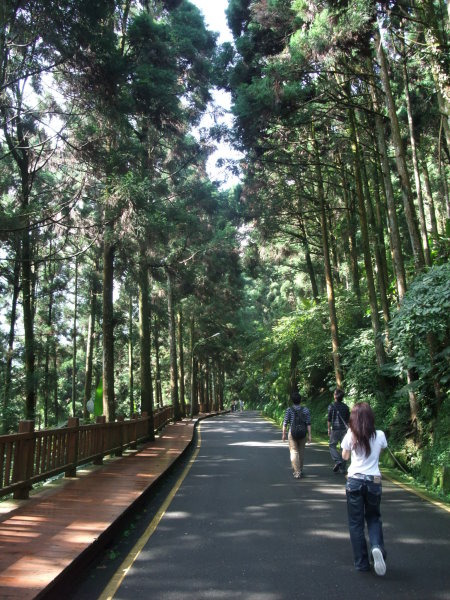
(45, 539)
(29, 456)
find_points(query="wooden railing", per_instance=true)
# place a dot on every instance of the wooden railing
(31, 456)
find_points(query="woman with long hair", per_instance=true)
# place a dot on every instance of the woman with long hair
(363, 443)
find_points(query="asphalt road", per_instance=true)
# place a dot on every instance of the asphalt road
(241, 527)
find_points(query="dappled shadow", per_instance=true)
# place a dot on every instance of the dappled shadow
(45, 534)
(241, 527)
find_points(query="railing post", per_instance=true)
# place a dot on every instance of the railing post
(72, 446)
(121, 420)
(156, 418)
(144, 429)
(133, 444)
(100, 440)
(23, 461)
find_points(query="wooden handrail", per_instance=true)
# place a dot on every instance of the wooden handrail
(31, 456)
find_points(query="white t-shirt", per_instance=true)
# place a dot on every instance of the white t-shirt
(360, 463)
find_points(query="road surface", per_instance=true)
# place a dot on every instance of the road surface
(240, 527)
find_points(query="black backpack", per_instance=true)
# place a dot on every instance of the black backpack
(298, 426)
(335, 411)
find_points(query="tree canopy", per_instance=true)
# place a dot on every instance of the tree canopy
(131, 277)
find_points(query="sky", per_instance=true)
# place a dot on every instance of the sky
(215, 19)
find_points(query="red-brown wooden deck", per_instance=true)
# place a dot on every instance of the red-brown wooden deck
(41, 539)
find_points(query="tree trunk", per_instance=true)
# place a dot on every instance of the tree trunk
(437, 51)
(7, 423)
(380, 218)
(194, 387)
(377, 241)
(327, 265)
(74, 342)
(130, 356)
(406, 193)
(207, 387)
(309, 263)
(145, 342)
(221, 386)
(445, 191)
(396, 244)
(215, 394)
(430, 200)
(293, 374)
(201, 387)
(351, 233)
(21, 153)
(50, 342)
(158, 388)
(173, 347)
(88, 371)
(411, 378)
(108, 327)
(181, 362)
(408, 203)
(28, 302)
(333, 247)
(415, 161)
(379, 348)
(444, 120)
(55, 383)
(28, 323)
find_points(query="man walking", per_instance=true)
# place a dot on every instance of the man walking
(298, 418)
(338, 416)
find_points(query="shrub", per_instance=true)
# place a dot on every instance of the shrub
(420, 333)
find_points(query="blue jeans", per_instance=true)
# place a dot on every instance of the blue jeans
(363, 502)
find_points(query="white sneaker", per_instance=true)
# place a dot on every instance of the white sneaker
(378, 562)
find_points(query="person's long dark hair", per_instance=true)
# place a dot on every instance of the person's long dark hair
(362, 424)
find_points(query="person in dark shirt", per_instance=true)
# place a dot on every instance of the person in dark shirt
(296, 447)
(338, 416)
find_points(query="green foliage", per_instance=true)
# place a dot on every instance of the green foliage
(363, 381)
(310, 332)
(238, 15)
(296, 81)
(423, 322)
(316, 36)
(154, 77)
(349, 312)
(98, 402)
(268, 364)
(437, 451)
(425, 308)
(275, 410)
(327, 28)
(440, 247)
(134, 79)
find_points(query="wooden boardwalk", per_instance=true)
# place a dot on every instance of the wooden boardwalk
(44, 540)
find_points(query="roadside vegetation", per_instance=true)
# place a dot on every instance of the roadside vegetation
(130, 279)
